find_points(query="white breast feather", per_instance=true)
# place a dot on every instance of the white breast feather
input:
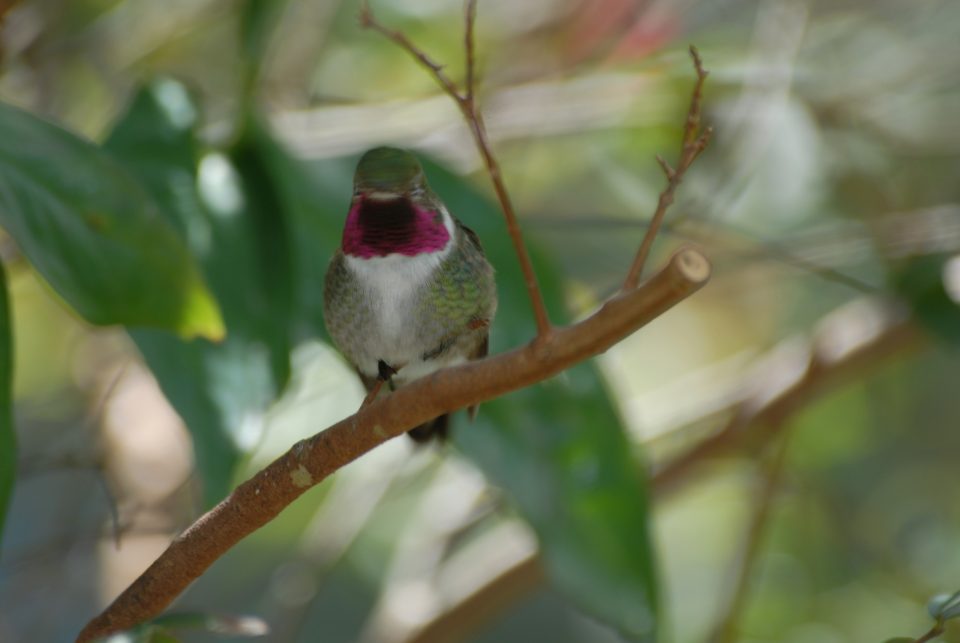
(391, 282)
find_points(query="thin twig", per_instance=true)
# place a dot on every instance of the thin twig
(742, 572)
(466, 101)
(695, 141)
(691, 131)
(470, 48)
(934, 632)
(367, 21)
(768, 250)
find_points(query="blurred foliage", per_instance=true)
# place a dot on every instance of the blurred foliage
(229, 210)
(225, 133)
(89, 229)
(8, 438)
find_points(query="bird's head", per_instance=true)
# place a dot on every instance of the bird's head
(393, 210)
(385, 173)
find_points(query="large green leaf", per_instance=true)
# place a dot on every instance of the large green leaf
(8, 439)
(316, 197)
(559, 449)
(229, 211)
(94, 234)
(270, 268)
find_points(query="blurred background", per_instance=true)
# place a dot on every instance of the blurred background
(820, 365)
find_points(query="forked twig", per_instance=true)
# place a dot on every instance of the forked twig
(466, 101)
(695, 141)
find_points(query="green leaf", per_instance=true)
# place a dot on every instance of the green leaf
(559, 449)
(154, 140)
(8, 439)
(221, 391)
(315, 198)
(271, 276)
(95, 234)
(225, 205)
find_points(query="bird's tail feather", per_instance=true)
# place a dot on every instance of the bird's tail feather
(437, 428)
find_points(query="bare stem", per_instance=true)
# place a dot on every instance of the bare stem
(468, 42)
(466, 101)
(934, 632)
(694, 142)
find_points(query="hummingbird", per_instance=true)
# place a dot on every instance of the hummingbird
(410, 290)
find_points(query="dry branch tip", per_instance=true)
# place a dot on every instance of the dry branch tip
(698, 63)
(694, 141)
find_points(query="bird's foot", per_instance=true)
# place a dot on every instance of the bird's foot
(384, 374)
(385, 370)
(372, 395)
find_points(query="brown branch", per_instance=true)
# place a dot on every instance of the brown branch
(260, 499)
(934, 632)
(470, 50)
(367, 21)
(694, 141)
(466, 101)
(851, 340)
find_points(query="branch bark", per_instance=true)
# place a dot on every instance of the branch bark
(260, 499)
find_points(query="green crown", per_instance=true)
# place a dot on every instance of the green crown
(388, 169)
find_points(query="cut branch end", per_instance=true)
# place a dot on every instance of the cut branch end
(693, 265)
